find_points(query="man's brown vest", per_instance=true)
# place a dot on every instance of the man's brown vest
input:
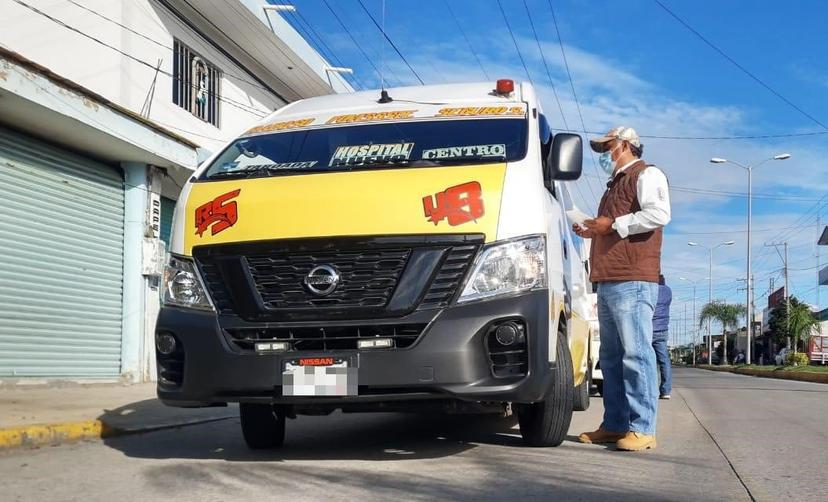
(636, 258)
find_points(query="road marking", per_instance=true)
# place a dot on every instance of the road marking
(721, 450)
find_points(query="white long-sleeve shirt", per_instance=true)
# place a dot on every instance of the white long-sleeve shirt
(653, 197)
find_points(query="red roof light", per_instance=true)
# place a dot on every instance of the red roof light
(505, 86)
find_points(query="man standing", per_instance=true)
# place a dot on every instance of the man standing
(626, 264)
(661, 324)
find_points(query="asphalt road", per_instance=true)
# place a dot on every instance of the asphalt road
(722, 437)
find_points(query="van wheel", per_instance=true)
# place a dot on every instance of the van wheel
(263, 425)
(546, 423)
(581, 402)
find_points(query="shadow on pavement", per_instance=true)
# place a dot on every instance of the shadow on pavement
(335, 437)
(151, 414)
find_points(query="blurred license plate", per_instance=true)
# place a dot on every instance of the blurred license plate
(319, 376)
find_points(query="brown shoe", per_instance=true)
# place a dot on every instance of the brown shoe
(635, 441)
(601, 436)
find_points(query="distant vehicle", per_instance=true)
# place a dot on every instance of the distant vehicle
(818, 349)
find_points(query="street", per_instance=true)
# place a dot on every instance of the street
(721, 437)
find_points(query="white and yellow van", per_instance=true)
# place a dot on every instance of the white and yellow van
(404, 250)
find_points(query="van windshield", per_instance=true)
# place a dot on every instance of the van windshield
(375, 146)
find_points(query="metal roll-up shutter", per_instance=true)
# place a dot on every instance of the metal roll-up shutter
(61, 246)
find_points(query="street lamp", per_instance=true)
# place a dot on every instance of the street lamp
(749, 303)
(710, 298)
(695, 328)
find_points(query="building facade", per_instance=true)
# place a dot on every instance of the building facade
(106, 108)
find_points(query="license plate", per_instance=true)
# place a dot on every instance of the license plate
(319, 376)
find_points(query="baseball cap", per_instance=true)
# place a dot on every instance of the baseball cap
(621, 132)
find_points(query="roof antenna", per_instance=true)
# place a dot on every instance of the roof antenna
(384, 97)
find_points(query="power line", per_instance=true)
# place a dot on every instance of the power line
(514, 41)
(724, 193)
(737, 231)
(394, 46)
(353, 39)
(468, 42)
(160, 44)
(742, 68)
(241, 106)
(314, 36)
(574, 94)
(546, 66)
(724, 138)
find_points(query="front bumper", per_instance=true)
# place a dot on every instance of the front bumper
(448, 361)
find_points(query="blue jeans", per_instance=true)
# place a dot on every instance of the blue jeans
(663, 359)
(625, 314)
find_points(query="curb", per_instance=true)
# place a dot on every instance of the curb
(799, 376)
(33, 436)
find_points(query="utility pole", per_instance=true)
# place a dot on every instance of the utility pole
(685, 320)
(787, 300)
(818, 229)
(752, 337)
(787, 289)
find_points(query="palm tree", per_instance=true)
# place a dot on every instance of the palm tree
(801, 323)
(727, 315)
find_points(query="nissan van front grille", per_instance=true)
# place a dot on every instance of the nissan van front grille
(336, 278)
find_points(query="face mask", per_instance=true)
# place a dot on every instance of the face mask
(605, 159)
(607, 164)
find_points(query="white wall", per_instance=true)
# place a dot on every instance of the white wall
(120, 78)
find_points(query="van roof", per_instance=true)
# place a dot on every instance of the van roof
(363, 101)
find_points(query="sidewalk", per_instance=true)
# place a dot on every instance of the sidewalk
(48, 415)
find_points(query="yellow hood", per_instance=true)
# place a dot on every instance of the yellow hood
(436, 200)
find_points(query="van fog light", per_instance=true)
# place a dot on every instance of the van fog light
(506, 334)
(375, 343)
(165, 344)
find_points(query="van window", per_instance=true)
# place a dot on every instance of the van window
(375, 146)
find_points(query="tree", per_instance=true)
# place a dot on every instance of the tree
(726, 315)
(798, 326)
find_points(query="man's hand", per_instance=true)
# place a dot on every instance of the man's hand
(582, 232)
(600, 225)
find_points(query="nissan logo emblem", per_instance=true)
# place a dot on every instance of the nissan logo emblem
(322, 280)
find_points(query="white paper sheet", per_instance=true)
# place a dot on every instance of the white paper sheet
(578, 217)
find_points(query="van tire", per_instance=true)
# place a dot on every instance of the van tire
(581, 401)
(263, 426)
(547, 422)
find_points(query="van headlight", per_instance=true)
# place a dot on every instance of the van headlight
(182, 285)
(509, 267)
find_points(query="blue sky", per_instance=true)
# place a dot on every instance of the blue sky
(634, 64)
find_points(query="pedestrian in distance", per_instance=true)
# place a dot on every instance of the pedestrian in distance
(626, 263)
(661, 324)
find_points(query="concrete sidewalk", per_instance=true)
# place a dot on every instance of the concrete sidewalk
(48, 415)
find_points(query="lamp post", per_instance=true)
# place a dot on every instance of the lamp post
(695, 328)
(710, 296)
(749, 303)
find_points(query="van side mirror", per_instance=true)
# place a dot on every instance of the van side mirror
(565, 159)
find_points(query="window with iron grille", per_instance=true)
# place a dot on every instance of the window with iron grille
(196, 84)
